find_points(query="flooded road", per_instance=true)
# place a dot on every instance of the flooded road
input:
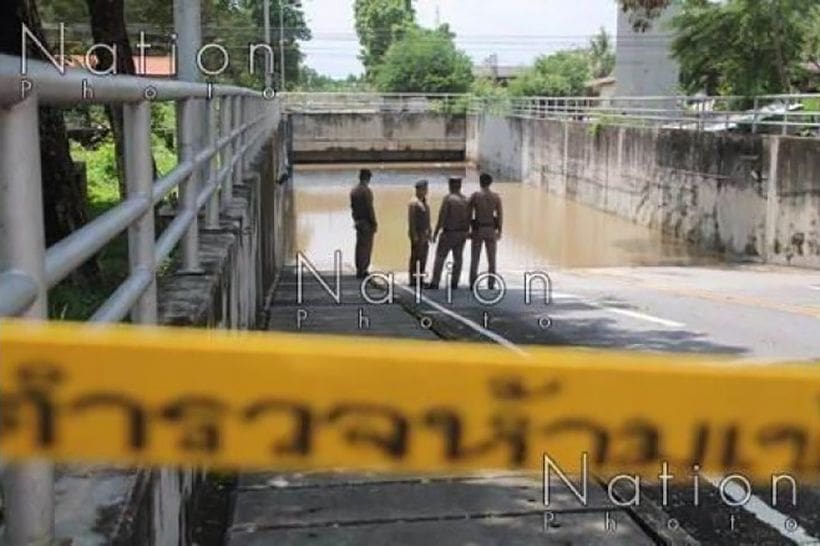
(541, 231)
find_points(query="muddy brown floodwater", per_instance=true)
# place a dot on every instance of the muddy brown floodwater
(541, 231)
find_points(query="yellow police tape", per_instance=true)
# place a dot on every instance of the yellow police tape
(169, 396)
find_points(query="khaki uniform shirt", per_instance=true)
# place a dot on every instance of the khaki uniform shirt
(361, 205)
(418, 220)
(454, 214)
(486, 210)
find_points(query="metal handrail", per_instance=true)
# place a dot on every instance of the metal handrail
(371, 102)
(236, 122)
(221, 128)
(704, 113)
(682, 111)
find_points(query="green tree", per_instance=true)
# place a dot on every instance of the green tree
(64, 198)
(231, 23)
(425, 61)
(601, 54)
(564, 73)
(741, 47)
(311, 80)
(295, 29)
(812, 46)
(643, 12)
(380, 23)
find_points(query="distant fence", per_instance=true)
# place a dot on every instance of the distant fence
(785, 114)
(370, 103)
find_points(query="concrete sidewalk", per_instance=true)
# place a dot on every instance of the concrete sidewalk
(343, 509)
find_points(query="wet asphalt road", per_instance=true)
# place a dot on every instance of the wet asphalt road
(754, 314)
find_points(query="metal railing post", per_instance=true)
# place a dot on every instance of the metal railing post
(188, 190)
(248, 114)
(227, 126)
(28, 487)
(756, 114)
(785, 127)
(239, 120)
(139, 178)
(212, 139)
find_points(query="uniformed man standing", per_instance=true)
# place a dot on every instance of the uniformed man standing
(364, 219)
(454, 227)
(420, 232)
(487, 219)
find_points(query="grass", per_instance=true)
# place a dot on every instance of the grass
(77, 297)
(812, 105)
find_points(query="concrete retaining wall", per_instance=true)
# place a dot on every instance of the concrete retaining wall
(387, 136)
(742, 195)
(240, 261)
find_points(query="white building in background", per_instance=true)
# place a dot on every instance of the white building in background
(644, 65)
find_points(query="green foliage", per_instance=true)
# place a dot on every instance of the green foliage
(811, 105)
(493, 97)
(564, 73)
(812, 30)
(425, 61)
(63, 11)
(601, 55)
(643, 12)
(311, 80)
(380, 23)
(234, 24)
(295, 29)
(741, 47)
(72, 300)
(163, 124)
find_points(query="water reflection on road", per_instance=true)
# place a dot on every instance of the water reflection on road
(541, 231)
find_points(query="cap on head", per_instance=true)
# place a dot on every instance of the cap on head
(422, 185)
(454, 183)
(485, 180)
(365, 175)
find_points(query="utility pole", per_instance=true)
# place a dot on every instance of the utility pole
(188, 28)
(282, 42)
(191, 133)
(266, 24)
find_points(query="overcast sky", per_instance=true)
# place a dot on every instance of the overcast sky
(516, 30)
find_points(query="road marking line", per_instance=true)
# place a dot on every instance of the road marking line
(641, 316)
(765, 513)
(709, 295)
(617, 310)
(501, 340)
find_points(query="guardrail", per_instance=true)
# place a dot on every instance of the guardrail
(220, 130)
(317, 103)
(784, 113)
(770, 113)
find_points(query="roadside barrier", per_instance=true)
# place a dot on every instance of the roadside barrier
(138, 395)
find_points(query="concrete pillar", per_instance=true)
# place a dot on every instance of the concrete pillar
(772, 205)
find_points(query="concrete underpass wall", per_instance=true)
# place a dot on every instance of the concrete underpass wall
(742, 195)
(240, 262)
(378, 136)
(794, 207)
